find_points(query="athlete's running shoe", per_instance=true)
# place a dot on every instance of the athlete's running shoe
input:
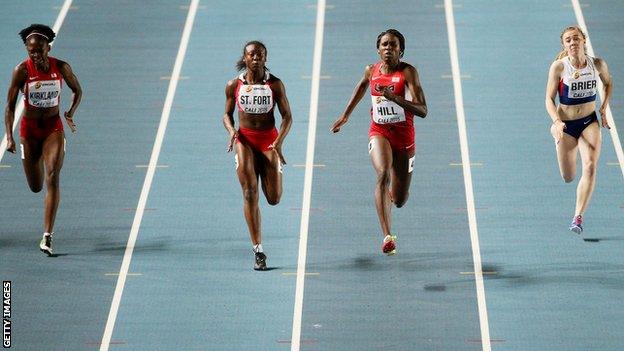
(45, 245)
(260, 263)
(577, 224)
(389, 245)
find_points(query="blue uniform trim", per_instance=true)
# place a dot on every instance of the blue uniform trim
(576, 127)
(563, 97)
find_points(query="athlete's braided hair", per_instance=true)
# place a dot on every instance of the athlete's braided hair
(563, 53)
(397, 34)
(41, 30)
(240, 65)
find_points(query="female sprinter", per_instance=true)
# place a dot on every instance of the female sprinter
(396, 96)
(575, 127)
(42, 142)
(258, 144)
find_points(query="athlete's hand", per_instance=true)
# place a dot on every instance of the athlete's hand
(556, 129)
(388, 94)
(278, 149)
(339, 123)
(603, 115)
(233, 138)
(70, 121)
(11, 145)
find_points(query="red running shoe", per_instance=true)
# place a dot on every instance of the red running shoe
(389, 245)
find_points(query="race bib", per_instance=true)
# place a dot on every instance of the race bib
(44, 93)
(584, 86)
(386, 111)
(255, 99)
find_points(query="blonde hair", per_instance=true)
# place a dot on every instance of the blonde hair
(563, 53)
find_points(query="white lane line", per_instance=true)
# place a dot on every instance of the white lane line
(320, 77)
(162, 127)
(590, 51)
(463, 139)
(307, 183)
(20, 105)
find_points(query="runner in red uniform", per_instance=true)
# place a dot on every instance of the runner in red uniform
(42, 142)
(396, 96)
(257, 142)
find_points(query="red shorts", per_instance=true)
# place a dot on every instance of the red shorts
(259, 140)
(37, 128)
(401, 138)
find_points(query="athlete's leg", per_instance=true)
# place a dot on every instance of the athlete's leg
(271, 176)
(590, 143)
(248, 178)
(381, 156)
(53, 155)
(31, 150)
(401, 176)
(566, 156)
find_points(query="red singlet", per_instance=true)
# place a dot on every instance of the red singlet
(388, 119)
(41, 90)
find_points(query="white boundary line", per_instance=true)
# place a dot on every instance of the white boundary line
(590, 50)
(307, 183)
(20, 106)
(125, 265)
(463, 140)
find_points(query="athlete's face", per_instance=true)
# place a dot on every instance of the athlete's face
(255, 57)
(37, 49)
(389, 48)
(573, 41)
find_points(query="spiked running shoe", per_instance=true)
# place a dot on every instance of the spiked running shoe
(260, 263)
(577, 225)
(45, 245)
(389, 245)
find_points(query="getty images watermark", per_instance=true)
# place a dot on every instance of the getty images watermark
(6, 314)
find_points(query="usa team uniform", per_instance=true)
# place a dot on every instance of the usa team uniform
(41, 90)
(388, 119)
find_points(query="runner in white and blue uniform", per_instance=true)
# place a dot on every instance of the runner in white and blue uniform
(574, 78)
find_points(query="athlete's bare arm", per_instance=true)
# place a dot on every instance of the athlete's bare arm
(18, 79)
(284, 107)
(356, 96)
(417, 105)
(605, 77)
(228, 116)
(554, 74)
(73, 84)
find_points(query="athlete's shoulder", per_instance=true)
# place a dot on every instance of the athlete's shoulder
(599, 62)
(273, 78)
(22, 66)
(232, 82)
(407, 68)
(406, 65)
(557, 65)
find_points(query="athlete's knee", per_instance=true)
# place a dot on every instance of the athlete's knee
(589, 168)
(400, 200)
(274, 200)
(35, 188)
(250, 193)
(53, 177)
(568, 178)
(383, 177)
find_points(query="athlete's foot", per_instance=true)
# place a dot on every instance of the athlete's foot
(389, 245)
(577, 224)
(260, 261)
(45, 245)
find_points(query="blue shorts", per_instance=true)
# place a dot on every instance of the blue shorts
(576, 127)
